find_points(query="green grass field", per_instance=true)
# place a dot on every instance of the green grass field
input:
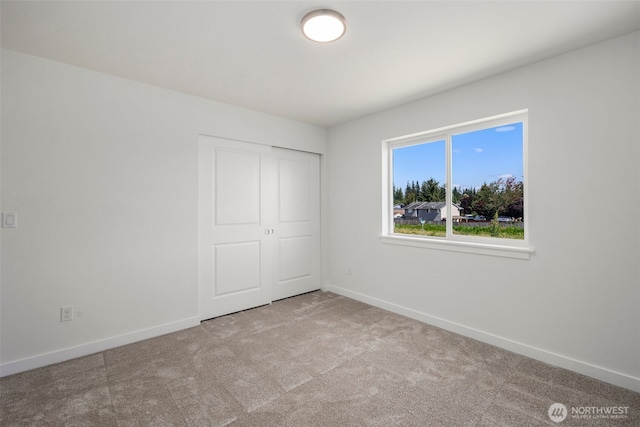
(508, 232)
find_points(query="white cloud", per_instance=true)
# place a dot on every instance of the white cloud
(456, 151)
(505, 128)
(478, 150)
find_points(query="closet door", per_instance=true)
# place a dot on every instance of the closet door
(235, 226)
(259, 225)
(297, 223)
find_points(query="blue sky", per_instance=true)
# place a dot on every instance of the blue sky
(477, 157)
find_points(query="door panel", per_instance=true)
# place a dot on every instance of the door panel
(295, 182)
(297, 223)
(236, 267)
(237, 187)
(235, 256)
(295, 257)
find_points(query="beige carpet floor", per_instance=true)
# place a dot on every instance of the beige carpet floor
(318, 359)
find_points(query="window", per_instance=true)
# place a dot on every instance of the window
(462, 187)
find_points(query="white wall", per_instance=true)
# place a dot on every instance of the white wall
(103, 173)
(576, 302)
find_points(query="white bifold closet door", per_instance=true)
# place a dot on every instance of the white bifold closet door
(259, 224)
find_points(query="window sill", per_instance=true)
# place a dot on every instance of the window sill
(518, 252)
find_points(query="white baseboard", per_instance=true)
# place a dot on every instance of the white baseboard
(62, 355)
(597, 372)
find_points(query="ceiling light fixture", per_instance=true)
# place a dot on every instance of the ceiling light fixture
(323, 25)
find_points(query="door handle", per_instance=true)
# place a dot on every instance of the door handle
(269, 231)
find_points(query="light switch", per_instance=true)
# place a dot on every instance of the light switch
(9, 220)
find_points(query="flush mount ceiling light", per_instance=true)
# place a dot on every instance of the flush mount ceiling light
(323, 25)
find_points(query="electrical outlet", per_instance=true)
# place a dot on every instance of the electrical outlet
(9, 220)
(66, 313)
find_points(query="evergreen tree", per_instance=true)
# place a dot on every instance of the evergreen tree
(486, 203)
(398, 196)
(433, 191)
(409, 195)
(415, 189)
(456, 195)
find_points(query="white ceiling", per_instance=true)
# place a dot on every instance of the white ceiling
(252, 54)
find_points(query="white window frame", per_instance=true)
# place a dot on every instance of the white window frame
(510, 248)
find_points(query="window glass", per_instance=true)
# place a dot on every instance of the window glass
(487, 181)
(463, 182)
(419, 173)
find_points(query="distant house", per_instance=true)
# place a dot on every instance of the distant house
(398, 211)
(429, 211)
